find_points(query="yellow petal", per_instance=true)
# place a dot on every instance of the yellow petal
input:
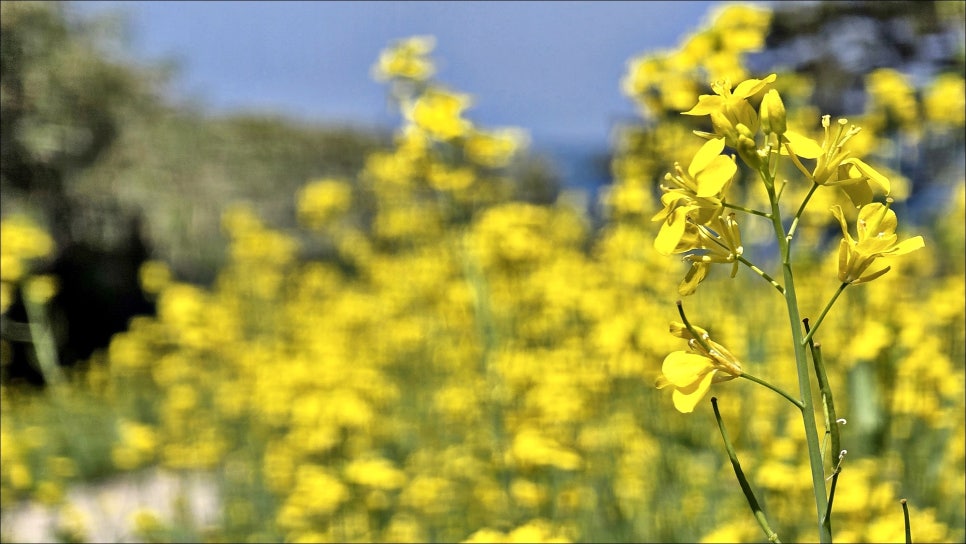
(717, 174)
(706, 104)
(803, 146)
(908, 246)
(875, 177)
(837, 212)
(875, 220)
(695, 276)
(686, 398)
(708, 152)
(751, 87)
(859, 193)
(684, 368)
(671, 232)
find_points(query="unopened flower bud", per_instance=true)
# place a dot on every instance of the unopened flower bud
(747, 147)
(772, 113)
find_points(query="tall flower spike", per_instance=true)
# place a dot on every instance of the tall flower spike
(876, 227)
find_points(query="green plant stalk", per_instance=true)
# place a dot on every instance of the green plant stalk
(746, 210)
(905, 515)
(44, 345)
(801, 208)
(761, 273)
(831, 420)
(821, 317)
(802, 366)
(760, 381)
(742, 480)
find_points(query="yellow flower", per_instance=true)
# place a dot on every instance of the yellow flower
(407, 59)
(729, 108)
(876, 228)
(945, 101)
(772, 111)
(693, 196)
(692, 372)
(439, 113)
(834, 168)
(718, 242)
(322, 201)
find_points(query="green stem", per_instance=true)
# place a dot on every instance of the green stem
(746, 210)
(821, 317)
(694, 334)
(760, 381)
(44, 344)
(831, 421)
(761, 273)
(801, 209)
(827, 518)
(905, 514)
(801, 363)
(742, 480)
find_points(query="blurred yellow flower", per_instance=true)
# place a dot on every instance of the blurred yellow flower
(493, 149)
(945, 101)
(439, 113)
(378, 473)
(323, 200)
(40, 289)
(406, 59)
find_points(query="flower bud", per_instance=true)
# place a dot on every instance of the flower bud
(772, 113)
(747, 147)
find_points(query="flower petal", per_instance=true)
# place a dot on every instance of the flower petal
(908, 246)
(707, 103)
(695, 275)
(686, 398)
(708, 152)
(875, 177)
(803, 146)
(751, 87)
(837, 212)
(683, 368)
(671, 232)
(715, 176)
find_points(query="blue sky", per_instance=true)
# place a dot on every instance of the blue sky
(552, 68)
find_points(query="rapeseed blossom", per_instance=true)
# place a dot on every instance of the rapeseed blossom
(692, 372)
(730, 109)
(693, 197)
(834, 167)
(876, 227)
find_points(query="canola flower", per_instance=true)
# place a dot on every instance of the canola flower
(877, 238)
(695, 227)
(692, 372)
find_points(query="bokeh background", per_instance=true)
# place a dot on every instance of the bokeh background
(250, 293)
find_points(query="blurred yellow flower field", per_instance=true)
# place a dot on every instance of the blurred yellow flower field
(467, 367)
